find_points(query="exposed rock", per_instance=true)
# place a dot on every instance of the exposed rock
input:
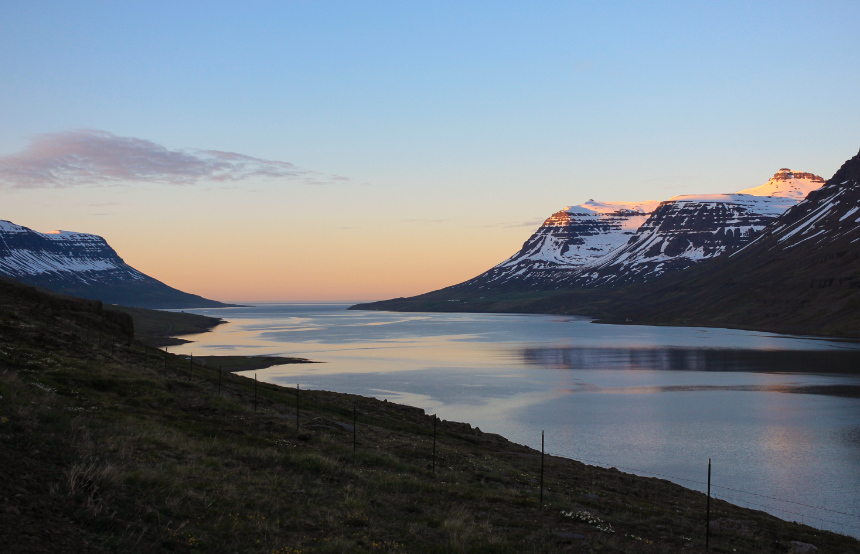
(611, 243)
(725, 525)
(798, 547)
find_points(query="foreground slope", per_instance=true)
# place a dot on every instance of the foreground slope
(84, 265)
(107, 446)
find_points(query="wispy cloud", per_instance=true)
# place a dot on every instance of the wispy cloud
(424, 220)
(93, 157)
(534, 224)
(102, 204)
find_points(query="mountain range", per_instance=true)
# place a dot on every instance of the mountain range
(783, 257)
(84, 265)
(609, 243)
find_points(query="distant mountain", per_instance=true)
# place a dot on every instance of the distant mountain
(84, 265)
(610, 243)
(568, 241)
(688, 229)
(799, 274)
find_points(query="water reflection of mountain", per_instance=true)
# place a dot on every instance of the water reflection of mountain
(695, 359)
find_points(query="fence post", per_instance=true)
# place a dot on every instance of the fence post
(297, 408)
(708, 511)
(541, 470)
(191, 367)
(145, 356)
(219, 380)
(435, 418)
(255, 393)
(353, 429)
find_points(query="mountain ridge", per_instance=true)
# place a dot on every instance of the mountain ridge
(84, 265)
(800, 274)
(597, 244)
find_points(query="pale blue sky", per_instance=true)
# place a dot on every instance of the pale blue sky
(455, 121)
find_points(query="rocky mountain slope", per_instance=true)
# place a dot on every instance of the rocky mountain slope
(569, 240)
(84, 265)
(599, 244)
(801, 274)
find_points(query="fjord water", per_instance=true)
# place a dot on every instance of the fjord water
(778, 415)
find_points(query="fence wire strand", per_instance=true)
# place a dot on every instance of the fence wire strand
(639, 521)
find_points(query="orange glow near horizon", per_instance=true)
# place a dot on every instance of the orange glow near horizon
(284, 243)
(268, 258)
(299, 275)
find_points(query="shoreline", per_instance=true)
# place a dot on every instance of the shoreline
(312, 469)
(235, 364)
(605, 320)
(250, 363)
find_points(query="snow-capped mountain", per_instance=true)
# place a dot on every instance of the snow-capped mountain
(827, 215)
(799, 275)
(570, 239)
(687, 229)
(787, 184)
(81, 264)
(609, 243)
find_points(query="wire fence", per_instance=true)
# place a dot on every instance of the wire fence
(819, 517)
(726, 527)
(610, 502)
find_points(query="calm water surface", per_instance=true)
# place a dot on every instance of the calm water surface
(778, 415)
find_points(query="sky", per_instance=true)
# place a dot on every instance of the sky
(347, 151)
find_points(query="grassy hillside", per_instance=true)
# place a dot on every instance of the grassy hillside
(110, 446)
(161, 328)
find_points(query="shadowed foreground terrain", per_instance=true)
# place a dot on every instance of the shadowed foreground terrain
(108, 445)
(160, 328)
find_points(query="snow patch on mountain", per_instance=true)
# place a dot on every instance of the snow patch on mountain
(25, 253)
(606, 243)
(573, 237)
(81, 264)
(788, 184)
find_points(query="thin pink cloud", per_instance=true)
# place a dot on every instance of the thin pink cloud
(92, 157)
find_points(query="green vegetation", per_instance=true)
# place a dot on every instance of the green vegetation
(160, 328)
(109, 445)
(247, 363)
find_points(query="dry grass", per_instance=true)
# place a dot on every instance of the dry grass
(144, 459)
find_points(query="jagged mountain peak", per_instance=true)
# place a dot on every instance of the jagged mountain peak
(609, 243)
(829, 215)
(785, 174)
(795, 273)
(7, 226)
(848, 173)
(787, 183)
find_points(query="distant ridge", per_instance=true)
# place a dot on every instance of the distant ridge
(598, 244)
(799, 272)
(84, 265)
